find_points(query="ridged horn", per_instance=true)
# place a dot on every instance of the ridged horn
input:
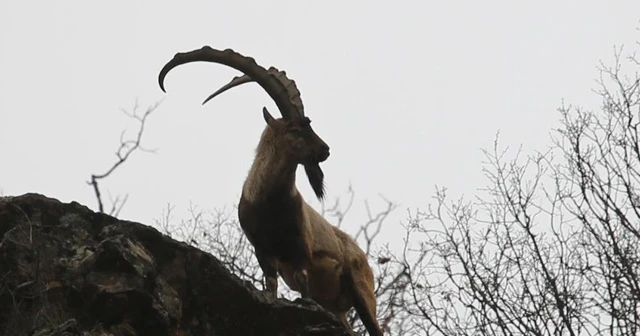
(281, 76)
(236, 81)
(281, 89)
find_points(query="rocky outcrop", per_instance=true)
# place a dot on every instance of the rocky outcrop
(66, 270)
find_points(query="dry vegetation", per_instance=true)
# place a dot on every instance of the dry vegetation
(549, 247)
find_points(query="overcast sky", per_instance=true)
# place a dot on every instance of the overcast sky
(405, 93)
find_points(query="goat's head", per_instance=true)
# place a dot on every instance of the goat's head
(292, 133)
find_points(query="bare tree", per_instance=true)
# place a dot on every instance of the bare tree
(551, 246)
(126, 148)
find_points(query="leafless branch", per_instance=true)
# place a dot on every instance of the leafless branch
(126, 148)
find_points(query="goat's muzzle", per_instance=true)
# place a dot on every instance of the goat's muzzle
(323, 153)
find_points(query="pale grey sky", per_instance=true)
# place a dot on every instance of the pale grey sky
(405, 93)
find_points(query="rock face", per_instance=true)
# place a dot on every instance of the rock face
(66, 270)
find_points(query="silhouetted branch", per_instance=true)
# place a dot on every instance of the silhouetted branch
(126, 148)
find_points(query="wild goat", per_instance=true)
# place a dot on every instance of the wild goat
(313, 257)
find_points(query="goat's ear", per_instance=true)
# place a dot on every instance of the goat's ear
(268, 117)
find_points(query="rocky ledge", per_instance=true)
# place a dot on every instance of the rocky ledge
(66, 270)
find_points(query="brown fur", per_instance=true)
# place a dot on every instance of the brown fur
(290, 238)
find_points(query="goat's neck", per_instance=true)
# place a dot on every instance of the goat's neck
(270, 176)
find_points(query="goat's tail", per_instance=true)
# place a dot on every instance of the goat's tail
(360, 278)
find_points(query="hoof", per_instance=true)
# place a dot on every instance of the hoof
(270, 294)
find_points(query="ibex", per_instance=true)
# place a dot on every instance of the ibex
(314, 258)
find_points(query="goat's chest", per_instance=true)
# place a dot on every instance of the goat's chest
(275, 226)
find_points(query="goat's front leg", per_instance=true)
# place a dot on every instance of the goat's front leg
(343, 318)
(269, 267)
(302, 280)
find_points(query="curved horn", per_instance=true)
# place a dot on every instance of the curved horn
(282, 90)
(236, 81)
(281, 76)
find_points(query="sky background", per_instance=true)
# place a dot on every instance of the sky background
(405, 93)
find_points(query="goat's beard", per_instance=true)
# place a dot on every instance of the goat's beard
(316, 178)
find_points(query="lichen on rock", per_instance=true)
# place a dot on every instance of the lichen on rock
(66, 270)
